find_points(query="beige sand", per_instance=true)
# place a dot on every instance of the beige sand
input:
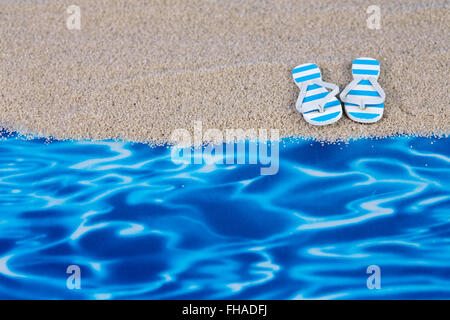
(137, 70)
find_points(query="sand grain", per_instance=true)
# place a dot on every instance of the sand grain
(139, 70)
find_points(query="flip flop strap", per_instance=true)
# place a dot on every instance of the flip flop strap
(367, 100)
(320, 103)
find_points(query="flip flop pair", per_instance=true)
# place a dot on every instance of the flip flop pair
(363, 98)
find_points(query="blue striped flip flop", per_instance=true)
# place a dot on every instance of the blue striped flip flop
(364, 98)
(318, 106)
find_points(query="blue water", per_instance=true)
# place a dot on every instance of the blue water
(140, 226)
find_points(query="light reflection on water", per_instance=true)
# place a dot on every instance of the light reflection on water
(140, 226)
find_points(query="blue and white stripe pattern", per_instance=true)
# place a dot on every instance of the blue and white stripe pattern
(306, 72)
(363, 92)
(366, 67)
(309, 79)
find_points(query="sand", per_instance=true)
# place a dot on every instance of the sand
(138, 70)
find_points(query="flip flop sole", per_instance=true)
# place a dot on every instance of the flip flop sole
(332, 113)
(371, 114)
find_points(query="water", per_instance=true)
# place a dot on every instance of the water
(140, 226)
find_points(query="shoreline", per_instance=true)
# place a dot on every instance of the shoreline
(6, 134)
